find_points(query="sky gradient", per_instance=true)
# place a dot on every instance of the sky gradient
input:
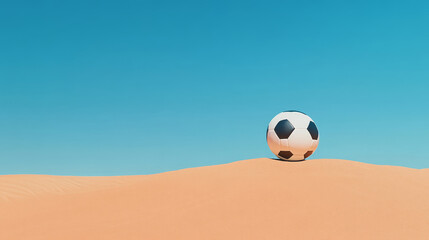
(141, 87)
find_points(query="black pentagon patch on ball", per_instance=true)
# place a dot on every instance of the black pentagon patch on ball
(312, 129)
(284, 129)
(285, 154)
(307, 154)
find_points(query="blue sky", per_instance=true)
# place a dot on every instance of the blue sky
(141, 87)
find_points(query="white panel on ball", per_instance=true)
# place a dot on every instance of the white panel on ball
(284, 145)
(298, 120)
(300, 141)
(314, 145)
(296, 157)
(273, 142)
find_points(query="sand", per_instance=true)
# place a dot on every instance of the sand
(250, 199)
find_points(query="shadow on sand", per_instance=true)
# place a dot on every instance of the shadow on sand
(281, 160)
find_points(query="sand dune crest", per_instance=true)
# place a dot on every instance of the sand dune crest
(250, 199)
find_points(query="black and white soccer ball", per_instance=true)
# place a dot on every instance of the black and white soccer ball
(292, 135)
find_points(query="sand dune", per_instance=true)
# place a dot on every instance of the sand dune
(250, 199)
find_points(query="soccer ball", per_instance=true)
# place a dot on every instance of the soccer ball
(292, 135)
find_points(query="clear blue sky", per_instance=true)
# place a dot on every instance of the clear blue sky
(140, 87)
